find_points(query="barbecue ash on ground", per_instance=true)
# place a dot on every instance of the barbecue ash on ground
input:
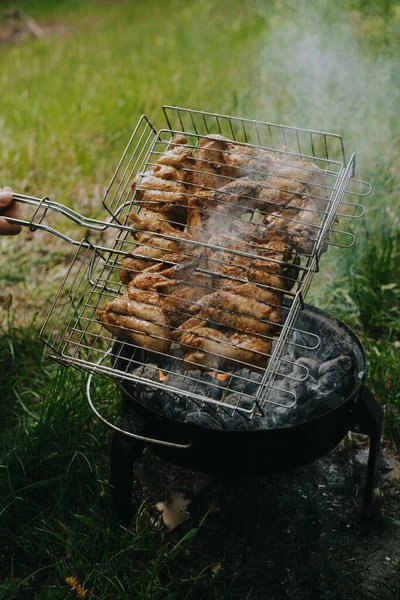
(320, 379)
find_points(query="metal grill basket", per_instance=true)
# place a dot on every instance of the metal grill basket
(72, 328)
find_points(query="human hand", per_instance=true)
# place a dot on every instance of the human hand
(8, 208)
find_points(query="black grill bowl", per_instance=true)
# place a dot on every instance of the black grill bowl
(234, 454)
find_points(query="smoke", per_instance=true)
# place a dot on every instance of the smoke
(316, 70)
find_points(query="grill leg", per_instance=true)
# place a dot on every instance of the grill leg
(124, 452)
(368, 419)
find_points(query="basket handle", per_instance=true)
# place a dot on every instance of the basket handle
(128, 433)
(41, 206)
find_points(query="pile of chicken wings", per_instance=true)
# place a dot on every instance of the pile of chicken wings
(218, 242)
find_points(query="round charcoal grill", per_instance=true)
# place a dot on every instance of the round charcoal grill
(228, 209)
(230, 453)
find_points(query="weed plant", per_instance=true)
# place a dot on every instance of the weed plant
(368, 295)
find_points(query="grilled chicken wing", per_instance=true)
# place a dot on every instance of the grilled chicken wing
(248, 160)
(179, 154)
(141, 322)
(138, 314)
(300, 221)
(208, 211)
(178, 302)
(238, 321)
(235, 311)
(161, 188)
(148, 220)
(208, 169)
(160, 195)
(144, 313)
(206, 347)
(277, 192)
(153, 190)
(266, 265)
(178, 287)
(288, 180)
(153, 249)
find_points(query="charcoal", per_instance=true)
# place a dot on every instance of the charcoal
(309, 363)
(203, 420)
(175, 380)
(286, 365)
(330, 378)
(333, 374)
(340, 364)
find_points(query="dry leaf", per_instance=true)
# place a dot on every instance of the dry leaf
(173, 511)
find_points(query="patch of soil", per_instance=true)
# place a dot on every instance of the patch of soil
(301, 534)
(11, 33)
(14, 30)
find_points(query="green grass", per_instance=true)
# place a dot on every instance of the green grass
(69, 105)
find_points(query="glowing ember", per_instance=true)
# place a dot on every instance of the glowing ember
(162, 376)
(220, 376)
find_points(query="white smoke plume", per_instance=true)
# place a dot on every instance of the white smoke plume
(314, 72)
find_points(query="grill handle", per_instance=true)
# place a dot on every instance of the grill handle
(128, 433)
(40, 208)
